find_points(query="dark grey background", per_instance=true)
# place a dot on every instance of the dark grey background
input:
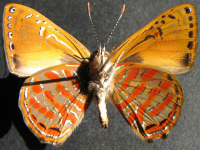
(72, 16)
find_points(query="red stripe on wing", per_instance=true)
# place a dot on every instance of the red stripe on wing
(161, 106)
(72, 118)
(66, 116)
(139, 89)
(120, 76)
(165, 85)
(131, 117)
(41, 109)
(51, 75)
(131, 97)
(37, 89)
(34, 103)
(152, 95)
(63, 91)
(148, 75)
(51, 99)
(140, 113)
(71, 98)
(130, 77)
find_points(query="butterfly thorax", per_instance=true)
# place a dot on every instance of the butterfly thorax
(101, 71)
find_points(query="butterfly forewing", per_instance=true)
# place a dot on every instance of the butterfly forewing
(32, 42)
(53, 101)
(169, 41)
(148, 98)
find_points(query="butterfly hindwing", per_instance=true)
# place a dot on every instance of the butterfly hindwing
(148, 98)
(53, 101)
(32, 42)
(169, 41)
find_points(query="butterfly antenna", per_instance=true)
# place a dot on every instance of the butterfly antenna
(116, 24)
(95, 34)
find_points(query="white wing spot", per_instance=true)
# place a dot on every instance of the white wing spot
(55, 72)
(41, 31)
(67, 121)
(11, 46)
(41, 86)
(190, 9)
(74, 114)
(29, 16)
(136, 108)
(27, 109)
(50, 27)
(9, 25)
(32, 80)
(36, 100)
(10, 35)
(38, 21)
(69, 65)
(9, 18)
(63, 72)
(12, 9)
(25, 93)
(11, 56)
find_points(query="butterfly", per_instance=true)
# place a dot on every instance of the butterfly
(138, 76)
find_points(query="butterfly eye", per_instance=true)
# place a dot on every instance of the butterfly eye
(93, 55)
(106, 54)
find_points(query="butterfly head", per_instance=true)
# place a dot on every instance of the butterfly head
(100, 62)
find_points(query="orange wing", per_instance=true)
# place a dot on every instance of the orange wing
(32, 42)
(53, 109)
(169, 41)
(148, 98)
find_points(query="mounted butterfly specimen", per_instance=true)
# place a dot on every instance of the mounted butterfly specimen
(138, 76)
